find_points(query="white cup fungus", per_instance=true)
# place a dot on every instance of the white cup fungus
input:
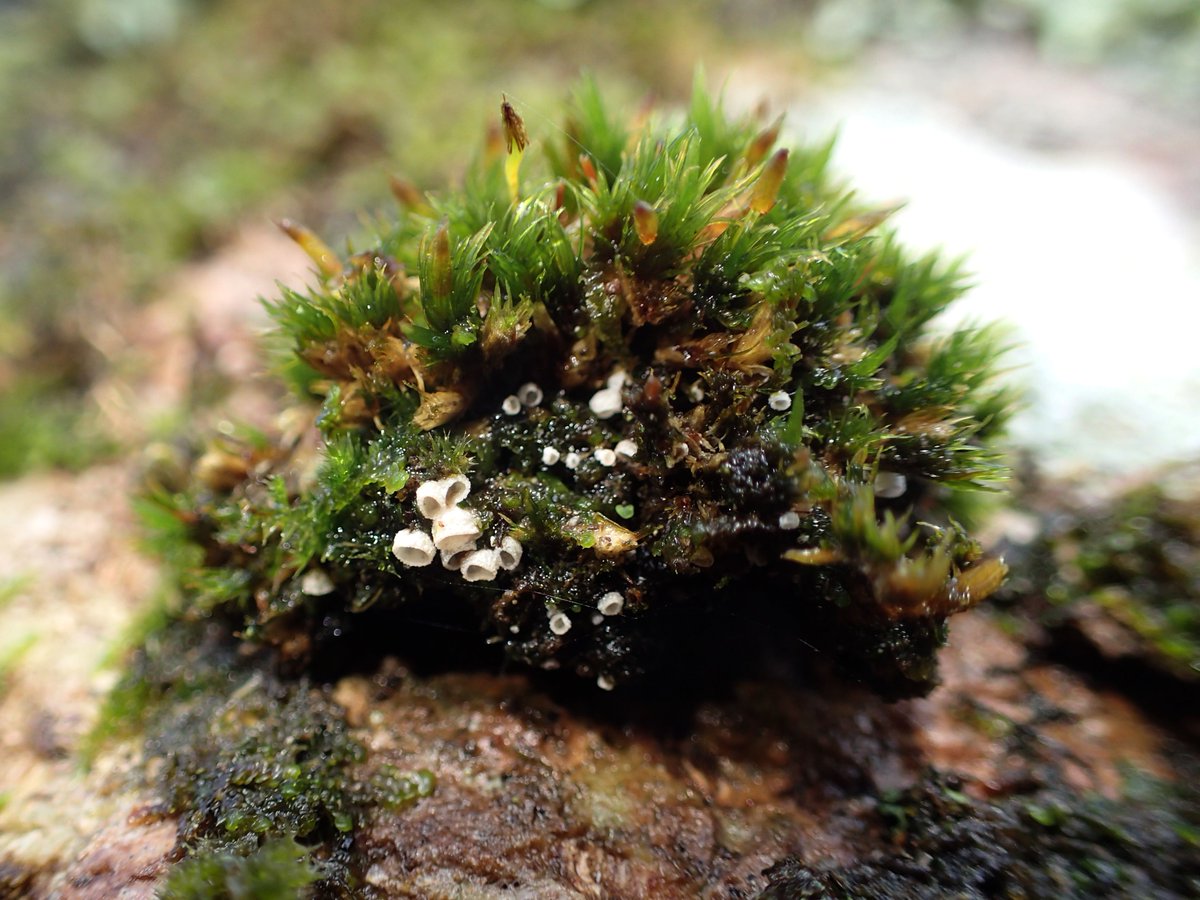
(413, 547)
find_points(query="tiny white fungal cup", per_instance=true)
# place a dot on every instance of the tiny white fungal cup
(511, 405)
(611, 603)
(550, 456)
(316, 583)
(606, 402)
(889, 485)
(434, 498)
(509, 552)
(626, 447)
(560, 623)
(606, 457)
(480, 565)
(452, 560)
(413, 547)
(529, 394)
(456, 528)
(790, 520)
(779, 401)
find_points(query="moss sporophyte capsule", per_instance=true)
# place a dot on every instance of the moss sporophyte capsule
(632, 390)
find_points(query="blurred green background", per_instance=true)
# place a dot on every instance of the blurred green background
(138, 135)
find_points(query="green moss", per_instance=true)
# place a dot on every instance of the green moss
(724, 351)
(1131, 561)
(125, 709)
(278, 870)
(1048, 843)
(248, 763)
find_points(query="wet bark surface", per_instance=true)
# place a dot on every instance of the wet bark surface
(542, 798)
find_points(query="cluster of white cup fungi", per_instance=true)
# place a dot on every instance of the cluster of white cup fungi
(454, 534)
(606, 456)
(528, 395)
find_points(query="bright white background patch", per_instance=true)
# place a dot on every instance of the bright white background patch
(1095, 267)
